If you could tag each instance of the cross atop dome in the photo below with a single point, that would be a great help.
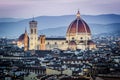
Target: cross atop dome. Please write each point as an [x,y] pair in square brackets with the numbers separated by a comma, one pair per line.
[78,15]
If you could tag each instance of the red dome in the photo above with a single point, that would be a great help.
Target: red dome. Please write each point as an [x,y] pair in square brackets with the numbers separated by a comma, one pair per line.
[22,36]
[78,26]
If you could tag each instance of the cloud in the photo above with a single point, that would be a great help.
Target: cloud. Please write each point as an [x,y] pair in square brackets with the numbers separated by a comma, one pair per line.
[27,8]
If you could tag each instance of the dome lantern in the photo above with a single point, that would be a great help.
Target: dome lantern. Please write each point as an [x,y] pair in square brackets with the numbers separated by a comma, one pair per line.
[78,15]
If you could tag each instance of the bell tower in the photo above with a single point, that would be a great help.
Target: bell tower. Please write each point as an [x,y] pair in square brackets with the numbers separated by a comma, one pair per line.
[33,35]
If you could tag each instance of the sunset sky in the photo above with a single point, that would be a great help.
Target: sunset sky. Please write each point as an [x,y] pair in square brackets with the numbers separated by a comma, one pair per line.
[30,8]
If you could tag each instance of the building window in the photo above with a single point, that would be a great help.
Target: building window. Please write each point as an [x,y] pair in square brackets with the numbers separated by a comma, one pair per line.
[31,31]
[55,43]
[66,41]
[62,43]
[32,25]
[81,38]
[48,43]
[35,31]
[72,38]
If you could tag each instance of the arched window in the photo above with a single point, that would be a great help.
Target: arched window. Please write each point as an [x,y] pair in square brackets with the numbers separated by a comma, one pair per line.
[48,43]
[55,43]
[31,31]
[72,38]
[81,38]
[66,41]
[35,31]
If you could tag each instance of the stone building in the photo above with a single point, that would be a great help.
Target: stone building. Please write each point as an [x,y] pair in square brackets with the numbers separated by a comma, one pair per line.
[78,36]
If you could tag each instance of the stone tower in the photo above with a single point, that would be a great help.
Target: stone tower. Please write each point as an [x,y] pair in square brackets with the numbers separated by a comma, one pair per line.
[33,35]
[42,42]
[26,41]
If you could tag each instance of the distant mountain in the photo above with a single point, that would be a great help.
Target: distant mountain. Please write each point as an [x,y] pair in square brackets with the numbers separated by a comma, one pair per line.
[95,29]
[10,19]
[57,25]
[102,19]
[59,31]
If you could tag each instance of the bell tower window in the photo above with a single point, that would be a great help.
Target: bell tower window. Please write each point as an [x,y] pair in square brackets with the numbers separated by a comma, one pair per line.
[35,31]
[31,31]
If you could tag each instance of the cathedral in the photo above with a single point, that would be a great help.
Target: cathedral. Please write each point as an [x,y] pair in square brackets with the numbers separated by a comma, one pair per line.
[78,36]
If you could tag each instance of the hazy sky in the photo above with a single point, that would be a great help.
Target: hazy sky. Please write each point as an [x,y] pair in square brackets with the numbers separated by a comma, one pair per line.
[30,8]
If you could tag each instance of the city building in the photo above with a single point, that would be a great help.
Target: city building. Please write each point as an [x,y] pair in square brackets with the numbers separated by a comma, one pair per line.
[78,36]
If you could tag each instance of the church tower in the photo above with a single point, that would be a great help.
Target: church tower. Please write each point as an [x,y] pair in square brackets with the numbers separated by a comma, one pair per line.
[33,35]
[26,41]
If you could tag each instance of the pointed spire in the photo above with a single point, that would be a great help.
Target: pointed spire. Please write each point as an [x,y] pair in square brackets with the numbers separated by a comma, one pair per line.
[25,30]
[78,14]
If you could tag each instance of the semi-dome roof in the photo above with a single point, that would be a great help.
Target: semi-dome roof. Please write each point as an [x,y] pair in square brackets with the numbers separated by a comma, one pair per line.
[78,26]
[22,36]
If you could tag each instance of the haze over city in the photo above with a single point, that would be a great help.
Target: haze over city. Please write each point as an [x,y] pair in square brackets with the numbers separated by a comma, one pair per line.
[29,8]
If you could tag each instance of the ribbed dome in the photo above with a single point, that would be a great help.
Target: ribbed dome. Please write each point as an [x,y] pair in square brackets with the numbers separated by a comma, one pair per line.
[78,26]
[22,36]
